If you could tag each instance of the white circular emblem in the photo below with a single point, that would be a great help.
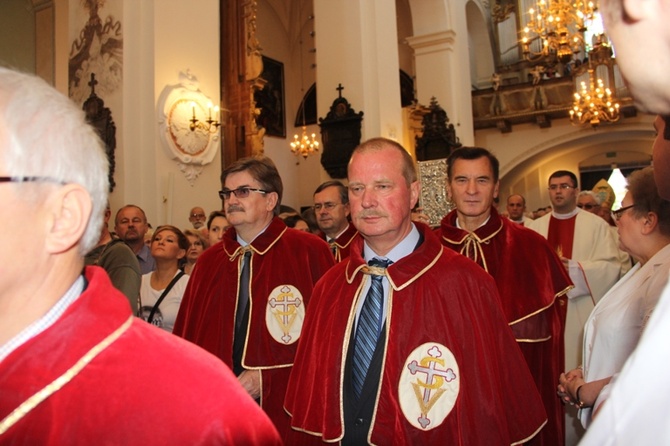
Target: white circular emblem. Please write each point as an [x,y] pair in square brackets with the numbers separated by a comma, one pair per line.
[284,314]
[429,385]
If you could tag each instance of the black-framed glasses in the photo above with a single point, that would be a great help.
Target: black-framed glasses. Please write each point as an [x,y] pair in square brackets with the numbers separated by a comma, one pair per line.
[616,215]
[327,206]
[30,180]
[587,206]
[563,186]
[240,192]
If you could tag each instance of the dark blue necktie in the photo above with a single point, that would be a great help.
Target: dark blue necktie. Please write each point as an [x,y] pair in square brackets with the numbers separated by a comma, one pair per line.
[243,298]
[369,327]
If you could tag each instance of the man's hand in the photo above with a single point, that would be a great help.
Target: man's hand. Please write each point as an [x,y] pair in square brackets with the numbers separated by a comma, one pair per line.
[251,381]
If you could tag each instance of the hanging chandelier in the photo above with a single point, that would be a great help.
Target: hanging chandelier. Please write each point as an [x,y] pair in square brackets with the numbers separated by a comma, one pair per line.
[307,144]
[559,25]
[594,104]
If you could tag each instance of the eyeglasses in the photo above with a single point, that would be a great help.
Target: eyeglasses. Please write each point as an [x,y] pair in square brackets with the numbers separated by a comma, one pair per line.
[199,215]
[30,180]
[560,186]
[587,206]
[240,192]
[327,206]
[616,215]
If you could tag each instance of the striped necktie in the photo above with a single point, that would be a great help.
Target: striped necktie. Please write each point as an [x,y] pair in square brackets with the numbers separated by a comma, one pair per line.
[369,327]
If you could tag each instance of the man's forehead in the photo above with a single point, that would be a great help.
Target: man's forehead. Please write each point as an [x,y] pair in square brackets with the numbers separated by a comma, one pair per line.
[331,192]
[586,198]
[387,157]
[243,178]
[130,212]
[560,180]
[480,167]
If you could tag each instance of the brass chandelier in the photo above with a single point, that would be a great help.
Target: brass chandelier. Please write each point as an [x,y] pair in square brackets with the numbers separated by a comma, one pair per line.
[594,104]
[304,146]
[559,25]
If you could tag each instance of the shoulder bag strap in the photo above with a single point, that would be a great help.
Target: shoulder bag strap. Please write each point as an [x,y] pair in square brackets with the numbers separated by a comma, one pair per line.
[165,292]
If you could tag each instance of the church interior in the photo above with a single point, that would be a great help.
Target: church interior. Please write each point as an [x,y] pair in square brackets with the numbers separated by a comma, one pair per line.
[180,89]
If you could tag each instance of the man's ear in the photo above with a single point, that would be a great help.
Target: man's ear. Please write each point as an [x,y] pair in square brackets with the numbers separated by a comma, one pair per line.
[70,209]
[272,198]
[414,192]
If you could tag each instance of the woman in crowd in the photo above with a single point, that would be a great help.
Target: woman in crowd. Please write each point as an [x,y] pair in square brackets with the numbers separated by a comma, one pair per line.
[217,224]
[197,244]
[162,290]
[295,221]
[616,323]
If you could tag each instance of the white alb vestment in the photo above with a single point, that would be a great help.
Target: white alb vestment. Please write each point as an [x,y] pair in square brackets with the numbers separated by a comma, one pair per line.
[594,268]
[616,323]
[637,410]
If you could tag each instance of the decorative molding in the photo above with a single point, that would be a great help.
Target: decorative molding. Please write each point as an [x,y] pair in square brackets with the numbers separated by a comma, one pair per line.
[177,105]
[433,42]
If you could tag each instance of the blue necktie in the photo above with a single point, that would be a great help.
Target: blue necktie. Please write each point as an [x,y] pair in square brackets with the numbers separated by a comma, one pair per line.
[243,298]
[369,327]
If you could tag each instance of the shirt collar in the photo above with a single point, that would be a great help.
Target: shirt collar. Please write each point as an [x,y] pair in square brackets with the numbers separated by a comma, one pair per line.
[402,249]
[329,239]
[243,243]
[571,214]
[484,223]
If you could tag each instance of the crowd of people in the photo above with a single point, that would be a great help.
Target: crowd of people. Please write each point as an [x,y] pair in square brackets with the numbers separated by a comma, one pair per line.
[379,330]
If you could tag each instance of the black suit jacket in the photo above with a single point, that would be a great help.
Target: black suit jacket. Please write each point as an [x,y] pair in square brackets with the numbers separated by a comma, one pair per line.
[358,412]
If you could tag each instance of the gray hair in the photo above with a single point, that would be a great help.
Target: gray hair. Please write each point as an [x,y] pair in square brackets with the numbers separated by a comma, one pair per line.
[47,135]
[591,194]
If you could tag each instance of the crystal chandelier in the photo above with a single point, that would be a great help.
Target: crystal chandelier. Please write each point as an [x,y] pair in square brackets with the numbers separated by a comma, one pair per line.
[305,146]
[594,104]
[559,26]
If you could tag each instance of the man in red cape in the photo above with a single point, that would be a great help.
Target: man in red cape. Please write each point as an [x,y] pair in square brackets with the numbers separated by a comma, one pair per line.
[445,368]
[529,275]
[331,206]
[76,367]
[257,339]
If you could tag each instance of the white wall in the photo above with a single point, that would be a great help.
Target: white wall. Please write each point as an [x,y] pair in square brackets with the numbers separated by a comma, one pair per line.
[163,38]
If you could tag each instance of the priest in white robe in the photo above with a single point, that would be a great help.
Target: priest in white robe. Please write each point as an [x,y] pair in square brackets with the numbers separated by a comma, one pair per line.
[593,262]
[588,250]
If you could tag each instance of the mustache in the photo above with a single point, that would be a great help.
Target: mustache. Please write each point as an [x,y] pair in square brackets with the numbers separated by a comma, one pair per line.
[235,208]
[371,213]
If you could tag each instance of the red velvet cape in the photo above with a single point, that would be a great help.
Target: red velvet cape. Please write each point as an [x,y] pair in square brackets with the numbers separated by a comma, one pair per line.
[281,256]
[147,387]
[532,283]
[438,296]
[343,243]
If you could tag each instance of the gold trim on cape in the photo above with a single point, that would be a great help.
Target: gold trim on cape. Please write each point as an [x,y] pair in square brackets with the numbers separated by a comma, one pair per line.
[525,440]
[54,386]
[472,240]
[553,301]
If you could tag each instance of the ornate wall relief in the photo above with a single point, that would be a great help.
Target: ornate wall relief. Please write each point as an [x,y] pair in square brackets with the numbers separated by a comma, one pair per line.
[188,125]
